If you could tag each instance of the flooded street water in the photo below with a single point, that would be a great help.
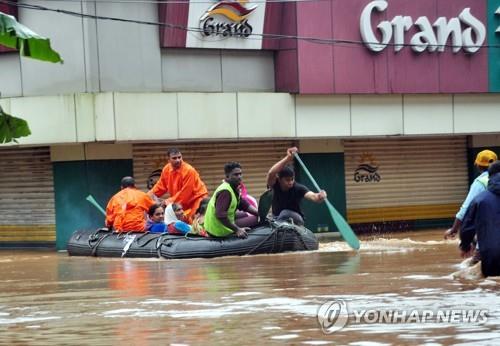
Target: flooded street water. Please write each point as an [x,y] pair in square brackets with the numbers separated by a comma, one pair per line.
[48,298]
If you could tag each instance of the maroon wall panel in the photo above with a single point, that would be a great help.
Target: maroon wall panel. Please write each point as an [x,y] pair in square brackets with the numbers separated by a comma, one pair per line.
[174,14]
[357,70]
[315,59]
[463,72]
[411,72]
[12,10]
[272,25]
[286,71]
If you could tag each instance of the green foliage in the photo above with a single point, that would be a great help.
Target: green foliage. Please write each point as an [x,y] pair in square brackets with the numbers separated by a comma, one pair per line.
[12,128]
[28,43]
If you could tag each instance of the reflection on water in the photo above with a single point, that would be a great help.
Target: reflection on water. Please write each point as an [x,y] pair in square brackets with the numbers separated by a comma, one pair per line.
[50,298]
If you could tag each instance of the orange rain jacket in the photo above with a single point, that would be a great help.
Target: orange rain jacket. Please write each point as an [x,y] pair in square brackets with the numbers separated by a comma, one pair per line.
[184,186]
[126,211]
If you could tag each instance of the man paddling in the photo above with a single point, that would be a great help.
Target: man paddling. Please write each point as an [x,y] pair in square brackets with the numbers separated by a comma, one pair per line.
[287,194]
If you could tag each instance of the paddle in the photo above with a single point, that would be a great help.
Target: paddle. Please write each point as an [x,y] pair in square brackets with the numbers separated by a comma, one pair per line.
[342,225]
[92,201]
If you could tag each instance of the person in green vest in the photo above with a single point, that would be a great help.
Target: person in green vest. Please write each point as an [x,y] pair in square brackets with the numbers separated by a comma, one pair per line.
[220,217]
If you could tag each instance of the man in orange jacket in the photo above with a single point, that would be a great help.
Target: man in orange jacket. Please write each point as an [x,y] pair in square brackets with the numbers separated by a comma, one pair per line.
[126,210]
[182,182]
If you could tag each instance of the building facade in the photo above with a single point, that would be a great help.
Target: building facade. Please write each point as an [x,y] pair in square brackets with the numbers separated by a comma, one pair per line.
[388,101]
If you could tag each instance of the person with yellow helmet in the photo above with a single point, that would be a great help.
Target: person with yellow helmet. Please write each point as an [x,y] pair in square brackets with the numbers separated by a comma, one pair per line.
[482,221]
[483,160]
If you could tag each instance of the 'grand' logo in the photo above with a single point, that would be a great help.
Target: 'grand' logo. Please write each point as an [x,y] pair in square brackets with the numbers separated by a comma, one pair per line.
[367,170]
[465,31]
[227,19]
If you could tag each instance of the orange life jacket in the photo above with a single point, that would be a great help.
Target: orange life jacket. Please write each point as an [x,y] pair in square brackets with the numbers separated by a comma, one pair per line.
[126,211]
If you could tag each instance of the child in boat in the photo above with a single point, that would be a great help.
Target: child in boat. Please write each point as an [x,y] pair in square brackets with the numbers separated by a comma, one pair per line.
[199,218]
[155,223]
[176,220]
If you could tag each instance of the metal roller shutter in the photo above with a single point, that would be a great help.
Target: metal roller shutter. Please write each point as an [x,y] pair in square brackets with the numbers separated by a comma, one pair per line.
[27,212]
[256,157]
[405,179]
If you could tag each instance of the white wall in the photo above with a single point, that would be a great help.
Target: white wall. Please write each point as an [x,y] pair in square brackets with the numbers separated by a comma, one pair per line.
[65,32]
[207,115]
[124,117]
[217,71]
[10,75]
[152,116]
[427,114]
[51,119]
[192,70]
[320,116]
[247,70]
[389,115]
[129,53]
[112,56]
[476,113]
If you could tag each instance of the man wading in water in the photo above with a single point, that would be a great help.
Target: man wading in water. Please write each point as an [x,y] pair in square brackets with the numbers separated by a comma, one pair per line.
[482,162]
[483,219]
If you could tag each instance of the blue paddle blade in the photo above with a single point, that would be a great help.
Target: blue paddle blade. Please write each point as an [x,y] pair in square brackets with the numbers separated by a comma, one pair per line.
[92,201]
[342,225]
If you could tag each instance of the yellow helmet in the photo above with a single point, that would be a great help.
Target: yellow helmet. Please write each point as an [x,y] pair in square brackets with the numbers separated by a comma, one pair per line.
[485,158]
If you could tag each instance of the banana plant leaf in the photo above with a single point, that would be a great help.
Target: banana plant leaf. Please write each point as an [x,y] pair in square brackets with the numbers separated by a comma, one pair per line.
[12,127]
[29,44]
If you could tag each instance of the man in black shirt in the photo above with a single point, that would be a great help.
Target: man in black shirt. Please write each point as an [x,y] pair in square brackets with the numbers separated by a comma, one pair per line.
[287,194]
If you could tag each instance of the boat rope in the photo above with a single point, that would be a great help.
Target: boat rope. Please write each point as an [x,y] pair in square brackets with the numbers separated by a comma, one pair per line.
[161,241]
[273,232]
[278,230]
[123,235]
[298,231]
[97,239]
[159,244]
[155,237]
[295,228]
[147,241]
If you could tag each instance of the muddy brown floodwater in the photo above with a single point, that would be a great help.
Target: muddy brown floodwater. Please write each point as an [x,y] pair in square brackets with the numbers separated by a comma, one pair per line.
[49,298]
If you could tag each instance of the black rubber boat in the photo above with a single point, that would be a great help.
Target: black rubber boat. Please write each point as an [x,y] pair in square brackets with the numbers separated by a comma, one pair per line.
[269,238]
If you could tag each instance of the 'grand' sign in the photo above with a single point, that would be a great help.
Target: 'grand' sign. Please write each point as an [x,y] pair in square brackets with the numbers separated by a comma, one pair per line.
[234,20]
[431,37]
